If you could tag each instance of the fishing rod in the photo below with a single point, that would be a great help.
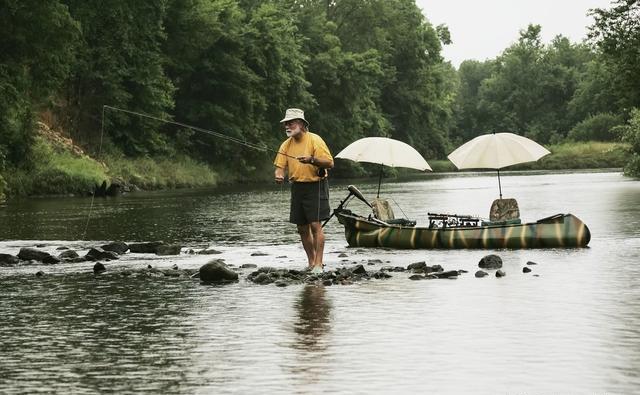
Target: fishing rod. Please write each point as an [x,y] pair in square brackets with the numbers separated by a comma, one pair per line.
[198,129]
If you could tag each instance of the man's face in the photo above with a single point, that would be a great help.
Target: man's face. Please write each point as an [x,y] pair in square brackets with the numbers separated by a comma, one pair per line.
[293,127]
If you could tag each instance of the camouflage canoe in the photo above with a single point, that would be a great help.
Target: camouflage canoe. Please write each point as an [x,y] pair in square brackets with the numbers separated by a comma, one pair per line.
[561,230]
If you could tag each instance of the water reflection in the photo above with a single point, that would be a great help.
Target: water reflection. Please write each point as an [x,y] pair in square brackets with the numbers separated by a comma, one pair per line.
[314,319]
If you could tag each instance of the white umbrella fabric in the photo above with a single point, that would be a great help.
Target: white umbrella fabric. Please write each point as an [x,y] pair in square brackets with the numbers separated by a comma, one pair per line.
[496,151]
[385,152]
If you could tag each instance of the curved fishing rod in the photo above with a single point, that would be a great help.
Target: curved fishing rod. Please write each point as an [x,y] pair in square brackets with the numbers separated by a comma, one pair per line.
[198,129]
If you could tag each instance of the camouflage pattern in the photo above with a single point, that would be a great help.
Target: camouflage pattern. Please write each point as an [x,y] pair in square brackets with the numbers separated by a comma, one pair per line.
[561,230]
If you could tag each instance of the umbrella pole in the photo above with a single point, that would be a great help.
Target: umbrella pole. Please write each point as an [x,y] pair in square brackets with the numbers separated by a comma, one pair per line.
[499,186]
[379,180]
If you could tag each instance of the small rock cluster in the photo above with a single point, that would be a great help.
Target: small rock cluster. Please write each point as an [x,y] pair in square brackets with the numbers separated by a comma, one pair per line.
[107,252]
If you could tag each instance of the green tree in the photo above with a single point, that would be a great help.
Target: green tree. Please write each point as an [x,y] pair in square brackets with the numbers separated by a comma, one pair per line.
[234,70]
[616,33]
[531,86]
[120,65]
[631,135]
[37,41]
[470,121]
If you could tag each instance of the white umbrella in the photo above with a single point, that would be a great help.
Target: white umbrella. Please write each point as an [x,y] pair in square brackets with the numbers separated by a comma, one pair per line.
[384,151]
[496,151]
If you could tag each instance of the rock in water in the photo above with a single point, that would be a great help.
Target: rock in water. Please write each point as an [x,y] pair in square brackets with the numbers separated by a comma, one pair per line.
[119,247]
[97,253]
[481,273]
[145,248]
[7,259]
[168,249]
[32,254]
[216,271]
[490,262]
[98,268]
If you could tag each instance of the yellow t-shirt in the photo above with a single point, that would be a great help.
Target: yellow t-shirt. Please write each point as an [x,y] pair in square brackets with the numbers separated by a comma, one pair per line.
[309,145]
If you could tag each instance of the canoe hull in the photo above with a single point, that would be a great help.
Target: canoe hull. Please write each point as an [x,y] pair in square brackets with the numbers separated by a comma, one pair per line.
[559,231]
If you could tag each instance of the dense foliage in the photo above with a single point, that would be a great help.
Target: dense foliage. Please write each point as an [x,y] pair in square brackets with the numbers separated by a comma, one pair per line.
[358,67]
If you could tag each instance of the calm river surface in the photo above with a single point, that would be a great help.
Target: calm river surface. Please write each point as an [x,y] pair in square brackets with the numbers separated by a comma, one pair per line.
[572,329]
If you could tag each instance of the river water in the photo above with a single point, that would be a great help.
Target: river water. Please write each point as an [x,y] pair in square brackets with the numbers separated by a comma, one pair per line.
[572,325]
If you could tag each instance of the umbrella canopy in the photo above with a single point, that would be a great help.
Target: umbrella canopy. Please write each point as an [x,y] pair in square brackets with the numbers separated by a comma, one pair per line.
[496,151]
[385,152]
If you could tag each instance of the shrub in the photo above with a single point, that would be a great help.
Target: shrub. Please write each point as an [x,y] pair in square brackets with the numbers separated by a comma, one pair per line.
[631,135]
[3,185]
[596,128]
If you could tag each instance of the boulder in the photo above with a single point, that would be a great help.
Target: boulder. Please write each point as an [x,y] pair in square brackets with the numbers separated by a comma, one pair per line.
[209,251]
[68,254]
[419,267]
[145,248]
[433,269]
[119,247]
[216,271]
[97,253]
[358,269]
[447,274]
[98,268]
[7,259]
[490,262]
[32,254]
[168,249]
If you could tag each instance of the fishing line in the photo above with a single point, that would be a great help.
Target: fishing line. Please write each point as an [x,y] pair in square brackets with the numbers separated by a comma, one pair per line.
[223,136]
[93,195]
[197,129]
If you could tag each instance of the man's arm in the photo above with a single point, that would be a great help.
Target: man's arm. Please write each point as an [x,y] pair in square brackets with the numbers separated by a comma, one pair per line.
[279,175]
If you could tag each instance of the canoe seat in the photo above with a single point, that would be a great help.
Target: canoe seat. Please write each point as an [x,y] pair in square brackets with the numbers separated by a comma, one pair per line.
[504,210]
[382,210]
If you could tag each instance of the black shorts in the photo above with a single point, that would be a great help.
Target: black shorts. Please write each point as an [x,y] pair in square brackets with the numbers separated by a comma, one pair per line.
[309,202]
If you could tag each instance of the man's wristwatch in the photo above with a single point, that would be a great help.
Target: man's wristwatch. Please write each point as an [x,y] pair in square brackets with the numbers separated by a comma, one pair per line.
[313,160]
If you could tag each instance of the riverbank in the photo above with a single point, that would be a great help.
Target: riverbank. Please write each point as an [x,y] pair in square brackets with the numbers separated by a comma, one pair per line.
[62,168]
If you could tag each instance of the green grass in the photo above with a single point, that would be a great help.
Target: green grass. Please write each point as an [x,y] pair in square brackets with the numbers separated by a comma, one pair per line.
[161,173]
[54,171]
[582,155]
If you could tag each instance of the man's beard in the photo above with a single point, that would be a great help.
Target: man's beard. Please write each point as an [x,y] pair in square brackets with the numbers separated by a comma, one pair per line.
[291,133]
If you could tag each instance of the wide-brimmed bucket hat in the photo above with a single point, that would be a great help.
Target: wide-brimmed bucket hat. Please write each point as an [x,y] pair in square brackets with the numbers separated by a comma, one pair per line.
[294,113]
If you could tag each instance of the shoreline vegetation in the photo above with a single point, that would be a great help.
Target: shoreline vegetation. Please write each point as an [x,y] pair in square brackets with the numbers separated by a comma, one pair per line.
[112,89]
[62,168]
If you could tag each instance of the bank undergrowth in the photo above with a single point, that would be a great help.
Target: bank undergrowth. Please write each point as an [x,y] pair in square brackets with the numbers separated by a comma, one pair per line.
[60,170]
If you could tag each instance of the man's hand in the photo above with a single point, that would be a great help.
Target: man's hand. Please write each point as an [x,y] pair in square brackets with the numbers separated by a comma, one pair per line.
[279,175]
[306,159]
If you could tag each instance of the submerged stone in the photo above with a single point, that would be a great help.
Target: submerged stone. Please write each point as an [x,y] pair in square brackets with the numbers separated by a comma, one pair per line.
[98,268]
[32,254]
[145,248]
[119,247]
[490,262]
[97,253]
[7,259]
[168,249]
[216,271]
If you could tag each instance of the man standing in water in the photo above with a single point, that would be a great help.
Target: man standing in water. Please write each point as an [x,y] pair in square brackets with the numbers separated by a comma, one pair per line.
[306,157]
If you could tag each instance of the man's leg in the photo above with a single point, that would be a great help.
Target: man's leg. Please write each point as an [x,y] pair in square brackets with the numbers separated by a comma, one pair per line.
[308,242]
[318,238]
